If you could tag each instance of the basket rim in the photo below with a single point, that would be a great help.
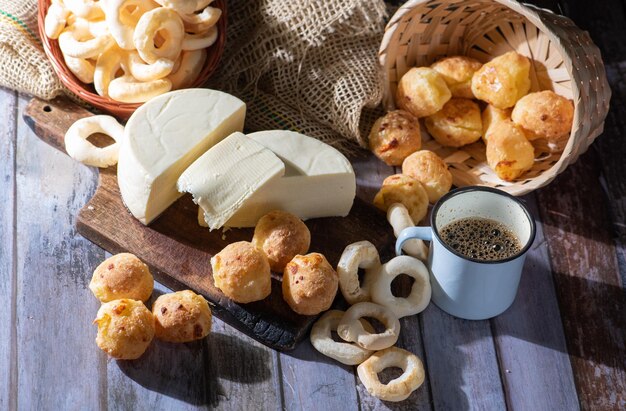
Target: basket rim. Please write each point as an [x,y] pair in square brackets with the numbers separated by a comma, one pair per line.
[117,108]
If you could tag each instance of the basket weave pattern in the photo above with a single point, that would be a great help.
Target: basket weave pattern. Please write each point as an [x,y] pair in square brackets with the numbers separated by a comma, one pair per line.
[564,59]
[88,93]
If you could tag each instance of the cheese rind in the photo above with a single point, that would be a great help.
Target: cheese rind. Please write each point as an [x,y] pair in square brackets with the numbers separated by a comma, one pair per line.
[227,175]
[319,181]
[163,137]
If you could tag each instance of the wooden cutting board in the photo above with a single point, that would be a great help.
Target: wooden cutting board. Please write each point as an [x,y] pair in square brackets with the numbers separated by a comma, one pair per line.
[178,250]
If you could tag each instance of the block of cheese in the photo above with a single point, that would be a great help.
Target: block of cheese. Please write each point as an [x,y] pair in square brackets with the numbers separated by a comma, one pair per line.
[319,181]
[227,175]
[163,137]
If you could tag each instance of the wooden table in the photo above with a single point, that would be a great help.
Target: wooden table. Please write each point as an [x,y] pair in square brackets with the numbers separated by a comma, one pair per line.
[561,346]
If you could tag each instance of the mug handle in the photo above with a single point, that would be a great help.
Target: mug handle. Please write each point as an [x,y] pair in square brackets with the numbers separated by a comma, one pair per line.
[422,233]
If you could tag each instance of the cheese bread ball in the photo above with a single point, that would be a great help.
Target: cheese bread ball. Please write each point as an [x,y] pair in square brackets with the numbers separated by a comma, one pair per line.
[242,272]
[503,80]
[544,114]
[122,276]
[422,92]
[457,72]
[309,284]
[457,124]
[430,170]
[394,136]
[182,316]
[281,236]
[125,328]
[509,153]
[492,115]
[400,188]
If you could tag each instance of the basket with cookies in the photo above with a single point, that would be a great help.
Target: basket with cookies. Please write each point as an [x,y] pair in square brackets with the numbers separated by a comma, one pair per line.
[508,95]
[118,54]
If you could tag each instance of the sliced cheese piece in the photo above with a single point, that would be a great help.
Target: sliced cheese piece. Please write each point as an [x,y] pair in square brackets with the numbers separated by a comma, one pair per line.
[163,137]
[227,175]
[319,181]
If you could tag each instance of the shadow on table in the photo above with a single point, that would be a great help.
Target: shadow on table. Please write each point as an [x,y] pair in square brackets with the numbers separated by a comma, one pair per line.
[193,372]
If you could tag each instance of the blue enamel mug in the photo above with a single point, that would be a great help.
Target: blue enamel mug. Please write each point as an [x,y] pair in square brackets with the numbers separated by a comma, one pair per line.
[462,286]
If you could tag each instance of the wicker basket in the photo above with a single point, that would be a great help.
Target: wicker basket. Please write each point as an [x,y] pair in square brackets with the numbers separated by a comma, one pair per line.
[565,60]
[86,91]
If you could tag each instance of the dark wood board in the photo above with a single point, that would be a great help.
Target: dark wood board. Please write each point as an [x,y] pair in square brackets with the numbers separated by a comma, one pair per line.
[178,250]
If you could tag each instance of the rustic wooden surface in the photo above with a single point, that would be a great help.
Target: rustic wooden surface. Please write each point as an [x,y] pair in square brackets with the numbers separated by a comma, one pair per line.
[559,347]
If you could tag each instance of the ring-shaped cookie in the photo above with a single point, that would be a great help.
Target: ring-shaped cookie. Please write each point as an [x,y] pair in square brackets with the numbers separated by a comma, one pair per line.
[207,18]
[107,66]
[420,294]
[399,388]
[83,69]
[163,20]
[79,148]
[350,329]
[95,28]
[128,90]
[322,340]
[56,19]
[87,9]
[199,41]
[122,20]
[399,218]
[181,6]
[148,72]
[362,254]
[82,44]
[189,67]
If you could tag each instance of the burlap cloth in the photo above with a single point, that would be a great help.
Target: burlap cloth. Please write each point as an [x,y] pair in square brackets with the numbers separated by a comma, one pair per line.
[304,65]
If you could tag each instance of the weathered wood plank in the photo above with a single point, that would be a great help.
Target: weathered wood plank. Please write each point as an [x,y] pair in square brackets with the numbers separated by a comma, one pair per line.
[312,381]
[588,285]
[58,365]
[8,131]
[534,364]
[461,362]
[226,371]
[370,175]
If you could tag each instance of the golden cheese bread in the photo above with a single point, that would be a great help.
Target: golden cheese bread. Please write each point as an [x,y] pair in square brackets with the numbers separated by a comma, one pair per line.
[457,72]
[122,276]
[492,115]
[457,124]
[309,284]
[181,317]
[544,114]
[502,81]
[509,153]
[430,170]
[394,136]
[422,91]
[242,272]
[125,328]
[281,236]
[400,188]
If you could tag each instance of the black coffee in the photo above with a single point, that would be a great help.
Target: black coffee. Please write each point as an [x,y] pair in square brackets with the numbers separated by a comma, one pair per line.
[481,239]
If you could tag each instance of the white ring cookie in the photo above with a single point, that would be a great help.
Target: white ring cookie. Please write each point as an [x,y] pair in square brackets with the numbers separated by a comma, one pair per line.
[399,218]
[79,148]
[345,353]
[420,294]
[350,329]
[399,388]
[362,254]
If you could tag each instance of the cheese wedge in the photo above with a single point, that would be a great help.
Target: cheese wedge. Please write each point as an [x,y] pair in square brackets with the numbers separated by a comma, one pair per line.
[319,181]
[163,137]
[227,175]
